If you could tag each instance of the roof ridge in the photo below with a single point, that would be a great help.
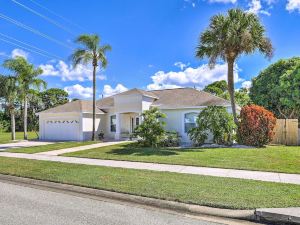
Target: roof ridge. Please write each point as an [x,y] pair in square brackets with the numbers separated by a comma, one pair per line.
[167,89]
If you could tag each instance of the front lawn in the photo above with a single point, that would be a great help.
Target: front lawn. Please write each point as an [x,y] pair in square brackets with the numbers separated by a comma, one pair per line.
[272,158]
[202,190]
[50,147]
[5,137]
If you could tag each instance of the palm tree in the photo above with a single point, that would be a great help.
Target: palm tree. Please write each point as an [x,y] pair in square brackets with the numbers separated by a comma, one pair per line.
[27,78]
[9,92]
[94,53]
[228,37]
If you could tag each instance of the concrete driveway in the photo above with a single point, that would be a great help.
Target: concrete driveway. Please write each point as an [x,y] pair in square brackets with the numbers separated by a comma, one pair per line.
[23,144]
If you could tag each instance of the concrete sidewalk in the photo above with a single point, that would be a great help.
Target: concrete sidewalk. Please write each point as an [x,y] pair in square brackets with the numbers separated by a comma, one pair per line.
[217,172]
[80,148]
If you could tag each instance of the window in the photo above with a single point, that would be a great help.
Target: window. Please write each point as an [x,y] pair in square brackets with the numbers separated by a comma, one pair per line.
[113,123]
[137,121]
[190,121]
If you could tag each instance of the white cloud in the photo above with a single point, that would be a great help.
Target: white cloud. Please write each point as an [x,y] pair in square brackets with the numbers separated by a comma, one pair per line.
[68,72]
[191,2]
[19,52]
[223,1]
[293,5]
[78,91]
[255,6]
[199,77]
[109,90]
[247,84]
[181,65]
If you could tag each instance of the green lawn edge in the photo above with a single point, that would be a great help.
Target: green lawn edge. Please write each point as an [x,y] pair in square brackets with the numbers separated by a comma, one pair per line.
[281,159]
[202,190]
[49,147]
[5,137]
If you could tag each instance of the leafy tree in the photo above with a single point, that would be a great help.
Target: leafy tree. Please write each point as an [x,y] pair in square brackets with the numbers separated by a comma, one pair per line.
[27,77]
[242,97]
[217,88]
[53,97]
[151,130]
[277,88]
[230,36]
[256,126]
[9,91]
[220,89]
[35,105]
[217,121]
[91,52]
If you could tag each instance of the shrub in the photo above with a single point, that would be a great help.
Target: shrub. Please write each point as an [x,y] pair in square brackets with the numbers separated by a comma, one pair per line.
[215,120]
[256,126]
[170,139]
[151,130]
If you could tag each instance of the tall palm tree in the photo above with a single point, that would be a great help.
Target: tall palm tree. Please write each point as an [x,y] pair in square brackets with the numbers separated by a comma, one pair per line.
[27,77]
[228,37]
[9,91]
[91,52]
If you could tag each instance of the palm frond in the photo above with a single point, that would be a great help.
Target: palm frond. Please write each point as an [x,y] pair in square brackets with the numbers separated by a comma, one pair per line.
[90,41]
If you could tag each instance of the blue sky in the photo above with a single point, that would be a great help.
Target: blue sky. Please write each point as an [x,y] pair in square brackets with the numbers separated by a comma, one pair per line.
[153,41]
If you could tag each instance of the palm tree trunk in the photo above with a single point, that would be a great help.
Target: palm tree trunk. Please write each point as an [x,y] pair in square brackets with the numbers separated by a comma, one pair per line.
[25,118]
[230,78]
[94,101]
[13,124]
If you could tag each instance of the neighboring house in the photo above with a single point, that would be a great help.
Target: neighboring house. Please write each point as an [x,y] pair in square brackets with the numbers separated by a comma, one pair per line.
[118,115]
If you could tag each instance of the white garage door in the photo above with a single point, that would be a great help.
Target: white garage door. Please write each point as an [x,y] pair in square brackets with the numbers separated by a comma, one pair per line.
[62,129]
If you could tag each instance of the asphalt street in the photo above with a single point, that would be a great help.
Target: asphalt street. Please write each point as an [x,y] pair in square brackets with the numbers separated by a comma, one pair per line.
[29,206]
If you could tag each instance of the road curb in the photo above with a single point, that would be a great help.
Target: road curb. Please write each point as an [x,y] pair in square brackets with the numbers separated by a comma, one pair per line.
[157,203]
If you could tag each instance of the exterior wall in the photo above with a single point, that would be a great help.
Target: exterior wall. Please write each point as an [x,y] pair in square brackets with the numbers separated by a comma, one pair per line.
[128,103]
[87,125]
[132,103]
[59,131]
[175,121]
[146,103]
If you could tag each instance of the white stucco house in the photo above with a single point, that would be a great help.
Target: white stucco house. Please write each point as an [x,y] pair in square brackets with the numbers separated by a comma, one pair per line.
[118,115]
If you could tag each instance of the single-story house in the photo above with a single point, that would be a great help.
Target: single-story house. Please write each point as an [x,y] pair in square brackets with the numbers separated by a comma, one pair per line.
[118,115]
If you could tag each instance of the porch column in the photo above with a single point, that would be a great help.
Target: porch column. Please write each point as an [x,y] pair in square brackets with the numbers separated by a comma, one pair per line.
[118,126]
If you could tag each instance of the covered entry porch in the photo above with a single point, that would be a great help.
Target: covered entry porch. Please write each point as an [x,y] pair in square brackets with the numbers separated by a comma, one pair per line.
[125,124]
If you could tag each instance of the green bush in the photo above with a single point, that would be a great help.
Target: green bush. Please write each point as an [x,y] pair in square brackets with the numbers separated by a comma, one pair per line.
[151,131]
[170,139]
[217,121]
[4,126]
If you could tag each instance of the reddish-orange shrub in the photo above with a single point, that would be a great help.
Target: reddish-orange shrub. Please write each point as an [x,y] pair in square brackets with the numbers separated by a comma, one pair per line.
[256,126]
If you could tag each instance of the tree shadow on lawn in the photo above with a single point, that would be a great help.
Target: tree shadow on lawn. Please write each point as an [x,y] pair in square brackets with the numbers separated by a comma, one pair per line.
[134,149]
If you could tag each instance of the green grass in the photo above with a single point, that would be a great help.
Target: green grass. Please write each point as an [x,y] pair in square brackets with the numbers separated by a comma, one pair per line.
[50,147]
[272,158]
[5,137]
[202,190]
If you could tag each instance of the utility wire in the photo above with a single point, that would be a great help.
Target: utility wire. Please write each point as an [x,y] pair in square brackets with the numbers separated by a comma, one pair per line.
[17,23]
[43,16]
[25,48]
[57,15]
[30,46]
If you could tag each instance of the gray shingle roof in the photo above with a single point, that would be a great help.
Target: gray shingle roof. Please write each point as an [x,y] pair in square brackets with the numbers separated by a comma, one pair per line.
[164,99]
[186,97]
[75,106]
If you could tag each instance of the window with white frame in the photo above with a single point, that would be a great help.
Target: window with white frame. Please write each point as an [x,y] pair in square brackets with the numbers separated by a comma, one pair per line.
[137,121]
[113,122]
[190,121]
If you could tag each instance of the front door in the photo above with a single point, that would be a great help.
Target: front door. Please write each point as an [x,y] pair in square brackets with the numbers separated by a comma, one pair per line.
[134,122]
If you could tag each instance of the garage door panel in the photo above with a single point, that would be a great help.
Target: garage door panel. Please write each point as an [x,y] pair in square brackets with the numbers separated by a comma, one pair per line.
[62,129]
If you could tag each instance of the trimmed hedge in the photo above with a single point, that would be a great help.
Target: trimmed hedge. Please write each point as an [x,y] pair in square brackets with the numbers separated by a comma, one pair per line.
[256,126]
